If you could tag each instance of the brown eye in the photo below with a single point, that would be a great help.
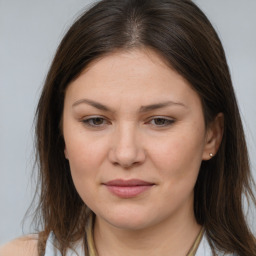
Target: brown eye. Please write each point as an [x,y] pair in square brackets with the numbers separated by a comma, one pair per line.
[95,121]
[160,121]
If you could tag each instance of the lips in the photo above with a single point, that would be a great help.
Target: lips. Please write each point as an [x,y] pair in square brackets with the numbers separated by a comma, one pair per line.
[128,188]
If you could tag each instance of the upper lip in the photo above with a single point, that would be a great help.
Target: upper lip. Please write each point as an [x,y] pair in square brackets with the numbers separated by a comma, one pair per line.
[128,183]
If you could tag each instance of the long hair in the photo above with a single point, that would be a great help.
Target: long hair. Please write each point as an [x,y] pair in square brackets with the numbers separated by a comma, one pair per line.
[179,32]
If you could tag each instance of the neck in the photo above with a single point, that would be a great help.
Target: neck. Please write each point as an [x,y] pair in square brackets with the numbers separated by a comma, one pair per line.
[173,236]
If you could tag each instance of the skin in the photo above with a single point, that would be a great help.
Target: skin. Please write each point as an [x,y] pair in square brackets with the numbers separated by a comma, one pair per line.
[111,133]
[163,145]
[23,246]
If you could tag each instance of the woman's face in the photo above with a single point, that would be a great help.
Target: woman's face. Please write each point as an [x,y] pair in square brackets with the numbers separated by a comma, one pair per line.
[135,138]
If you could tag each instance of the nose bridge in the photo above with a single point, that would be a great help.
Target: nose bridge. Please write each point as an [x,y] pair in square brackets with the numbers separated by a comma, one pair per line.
[127,148]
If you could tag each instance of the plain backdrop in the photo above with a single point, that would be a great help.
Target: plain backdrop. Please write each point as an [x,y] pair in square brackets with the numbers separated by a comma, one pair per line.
[30,31]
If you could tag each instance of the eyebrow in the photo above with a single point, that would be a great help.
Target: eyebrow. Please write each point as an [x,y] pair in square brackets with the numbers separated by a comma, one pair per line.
[93,104]
[160,105]
[142,109]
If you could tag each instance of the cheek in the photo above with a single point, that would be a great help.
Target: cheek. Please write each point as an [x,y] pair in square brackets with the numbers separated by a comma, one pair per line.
[178,162]
[82,156]
[85,159]
[85,154]
[178,156]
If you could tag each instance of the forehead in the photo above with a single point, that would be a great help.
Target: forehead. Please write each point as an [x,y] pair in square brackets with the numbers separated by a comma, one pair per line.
[139,74]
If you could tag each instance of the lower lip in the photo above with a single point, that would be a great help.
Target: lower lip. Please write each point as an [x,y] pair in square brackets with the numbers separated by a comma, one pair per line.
[129,191]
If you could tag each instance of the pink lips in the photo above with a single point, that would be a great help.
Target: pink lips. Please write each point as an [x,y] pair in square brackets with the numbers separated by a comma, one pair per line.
[127,188]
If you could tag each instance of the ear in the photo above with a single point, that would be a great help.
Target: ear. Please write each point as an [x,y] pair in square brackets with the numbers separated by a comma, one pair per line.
[213,138]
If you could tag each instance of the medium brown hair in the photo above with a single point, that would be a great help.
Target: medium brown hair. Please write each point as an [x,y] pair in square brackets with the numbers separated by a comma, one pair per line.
[179,32]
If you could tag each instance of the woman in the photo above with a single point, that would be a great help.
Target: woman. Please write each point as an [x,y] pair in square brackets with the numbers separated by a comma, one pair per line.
[140,143]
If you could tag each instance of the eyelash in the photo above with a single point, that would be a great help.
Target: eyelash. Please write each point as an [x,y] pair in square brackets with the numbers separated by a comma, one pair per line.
[167,121]
[89,121]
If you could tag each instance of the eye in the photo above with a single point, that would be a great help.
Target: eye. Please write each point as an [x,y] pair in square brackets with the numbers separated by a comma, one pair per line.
[161,121]
[96,121]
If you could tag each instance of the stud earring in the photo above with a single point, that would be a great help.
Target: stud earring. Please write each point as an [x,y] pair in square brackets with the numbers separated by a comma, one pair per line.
[211,154]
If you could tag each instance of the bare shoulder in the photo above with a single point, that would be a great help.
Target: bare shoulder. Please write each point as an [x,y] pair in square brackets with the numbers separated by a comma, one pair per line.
[23,246]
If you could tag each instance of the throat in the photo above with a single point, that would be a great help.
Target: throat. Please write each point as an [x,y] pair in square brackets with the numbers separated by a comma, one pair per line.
[165,242]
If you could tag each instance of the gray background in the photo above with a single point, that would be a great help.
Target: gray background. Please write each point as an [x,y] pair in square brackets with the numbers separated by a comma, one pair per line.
[30,31]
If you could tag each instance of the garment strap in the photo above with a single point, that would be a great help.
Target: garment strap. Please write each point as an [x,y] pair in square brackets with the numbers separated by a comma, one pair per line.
[192,251]
[89,235]
[92,249]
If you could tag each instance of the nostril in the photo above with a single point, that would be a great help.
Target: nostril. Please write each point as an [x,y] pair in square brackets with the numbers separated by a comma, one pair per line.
[126,165]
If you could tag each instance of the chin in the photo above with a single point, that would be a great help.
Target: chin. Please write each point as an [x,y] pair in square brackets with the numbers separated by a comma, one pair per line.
[128,220]
[128,224]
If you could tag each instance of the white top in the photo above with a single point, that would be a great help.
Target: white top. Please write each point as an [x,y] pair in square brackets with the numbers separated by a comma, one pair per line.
[203,249]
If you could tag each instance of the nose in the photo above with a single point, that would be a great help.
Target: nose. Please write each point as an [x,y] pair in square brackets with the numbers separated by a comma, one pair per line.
[127,149]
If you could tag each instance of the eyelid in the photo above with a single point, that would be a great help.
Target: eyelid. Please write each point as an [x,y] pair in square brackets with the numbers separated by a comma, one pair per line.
[168,119]
[87,119]
[105,121]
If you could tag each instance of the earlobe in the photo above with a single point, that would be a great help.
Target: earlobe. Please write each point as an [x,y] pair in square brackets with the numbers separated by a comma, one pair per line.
[213,137]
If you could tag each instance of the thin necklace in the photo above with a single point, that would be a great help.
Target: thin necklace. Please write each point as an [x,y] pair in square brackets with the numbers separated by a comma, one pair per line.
[192,251]
[92,249]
